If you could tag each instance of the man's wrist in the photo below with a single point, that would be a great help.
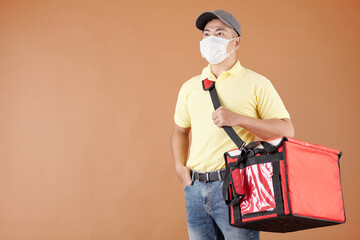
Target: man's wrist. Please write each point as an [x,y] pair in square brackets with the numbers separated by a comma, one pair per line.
[179,167]
[240,120]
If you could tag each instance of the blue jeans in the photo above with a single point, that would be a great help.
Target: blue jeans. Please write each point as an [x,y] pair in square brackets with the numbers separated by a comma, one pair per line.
[208,215]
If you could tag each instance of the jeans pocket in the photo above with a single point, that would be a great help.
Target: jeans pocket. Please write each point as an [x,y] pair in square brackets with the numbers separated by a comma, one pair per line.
[186,187]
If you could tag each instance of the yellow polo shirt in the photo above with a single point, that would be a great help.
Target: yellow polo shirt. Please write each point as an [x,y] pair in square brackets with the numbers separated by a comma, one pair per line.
[240,90]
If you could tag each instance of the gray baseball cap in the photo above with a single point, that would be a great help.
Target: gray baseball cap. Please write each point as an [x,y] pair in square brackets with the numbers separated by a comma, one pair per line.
[224,16]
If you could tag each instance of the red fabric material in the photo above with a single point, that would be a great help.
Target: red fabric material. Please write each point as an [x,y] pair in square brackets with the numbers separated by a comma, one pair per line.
[232,220]
[230,160]
[314,181]
[207,83]
[313,146]
[259,218]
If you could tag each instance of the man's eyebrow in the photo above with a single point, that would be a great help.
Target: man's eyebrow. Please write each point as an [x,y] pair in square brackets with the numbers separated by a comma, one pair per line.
[219,29]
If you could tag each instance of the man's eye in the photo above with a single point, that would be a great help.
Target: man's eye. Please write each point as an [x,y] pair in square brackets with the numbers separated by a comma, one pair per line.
[220,34]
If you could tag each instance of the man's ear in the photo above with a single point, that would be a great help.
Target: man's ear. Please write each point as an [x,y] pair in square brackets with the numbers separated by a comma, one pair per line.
[237,42]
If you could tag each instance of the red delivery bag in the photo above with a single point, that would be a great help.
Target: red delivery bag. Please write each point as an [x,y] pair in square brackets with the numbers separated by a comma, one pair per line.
[282,185]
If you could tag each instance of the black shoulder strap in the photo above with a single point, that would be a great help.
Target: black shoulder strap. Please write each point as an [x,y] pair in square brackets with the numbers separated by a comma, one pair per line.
[209,85]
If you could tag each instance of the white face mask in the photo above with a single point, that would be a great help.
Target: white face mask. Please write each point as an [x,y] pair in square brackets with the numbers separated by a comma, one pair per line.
[213,49]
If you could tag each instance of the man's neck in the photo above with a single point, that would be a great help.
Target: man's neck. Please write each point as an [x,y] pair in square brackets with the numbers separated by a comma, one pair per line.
[226,65]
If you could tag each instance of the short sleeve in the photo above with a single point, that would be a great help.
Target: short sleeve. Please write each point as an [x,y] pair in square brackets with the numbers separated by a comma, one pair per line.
[269,103]
[181,116]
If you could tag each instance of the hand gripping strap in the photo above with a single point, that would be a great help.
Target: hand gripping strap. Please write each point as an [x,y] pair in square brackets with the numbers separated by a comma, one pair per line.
[209,85]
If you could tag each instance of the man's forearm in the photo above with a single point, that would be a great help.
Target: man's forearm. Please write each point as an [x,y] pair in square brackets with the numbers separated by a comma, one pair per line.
[179,148]
[267,129]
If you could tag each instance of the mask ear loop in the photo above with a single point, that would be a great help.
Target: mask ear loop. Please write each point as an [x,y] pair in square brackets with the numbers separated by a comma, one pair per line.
[226,47]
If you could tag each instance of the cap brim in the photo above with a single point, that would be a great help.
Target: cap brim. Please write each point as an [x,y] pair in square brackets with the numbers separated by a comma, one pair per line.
[206,17]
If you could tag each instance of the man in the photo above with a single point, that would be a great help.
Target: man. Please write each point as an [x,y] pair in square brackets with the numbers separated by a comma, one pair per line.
[250,104]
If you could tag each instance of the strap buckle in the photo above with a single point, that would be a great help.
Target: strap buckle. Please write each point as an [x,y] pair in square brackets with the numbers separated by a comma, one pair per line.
[243,150]
[242,155]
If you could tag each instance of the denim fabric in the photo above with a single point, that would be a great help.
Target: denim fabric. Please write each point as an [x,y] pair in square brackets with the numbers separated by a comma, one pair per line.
[208,215]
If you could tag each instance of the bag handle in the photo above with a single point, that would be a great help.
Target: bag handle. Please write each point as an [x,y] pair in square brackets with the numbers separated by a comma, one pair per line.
[209,85]
[268,148]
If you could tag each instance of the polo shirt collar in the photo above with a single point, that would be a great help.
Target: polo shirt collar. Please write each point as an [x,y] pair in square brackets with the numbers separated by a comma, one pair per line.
[236,70]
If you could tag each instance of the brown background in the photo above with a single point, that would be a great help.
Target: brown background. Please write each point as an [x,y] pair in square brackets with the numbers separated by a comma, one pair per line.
[87,95]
